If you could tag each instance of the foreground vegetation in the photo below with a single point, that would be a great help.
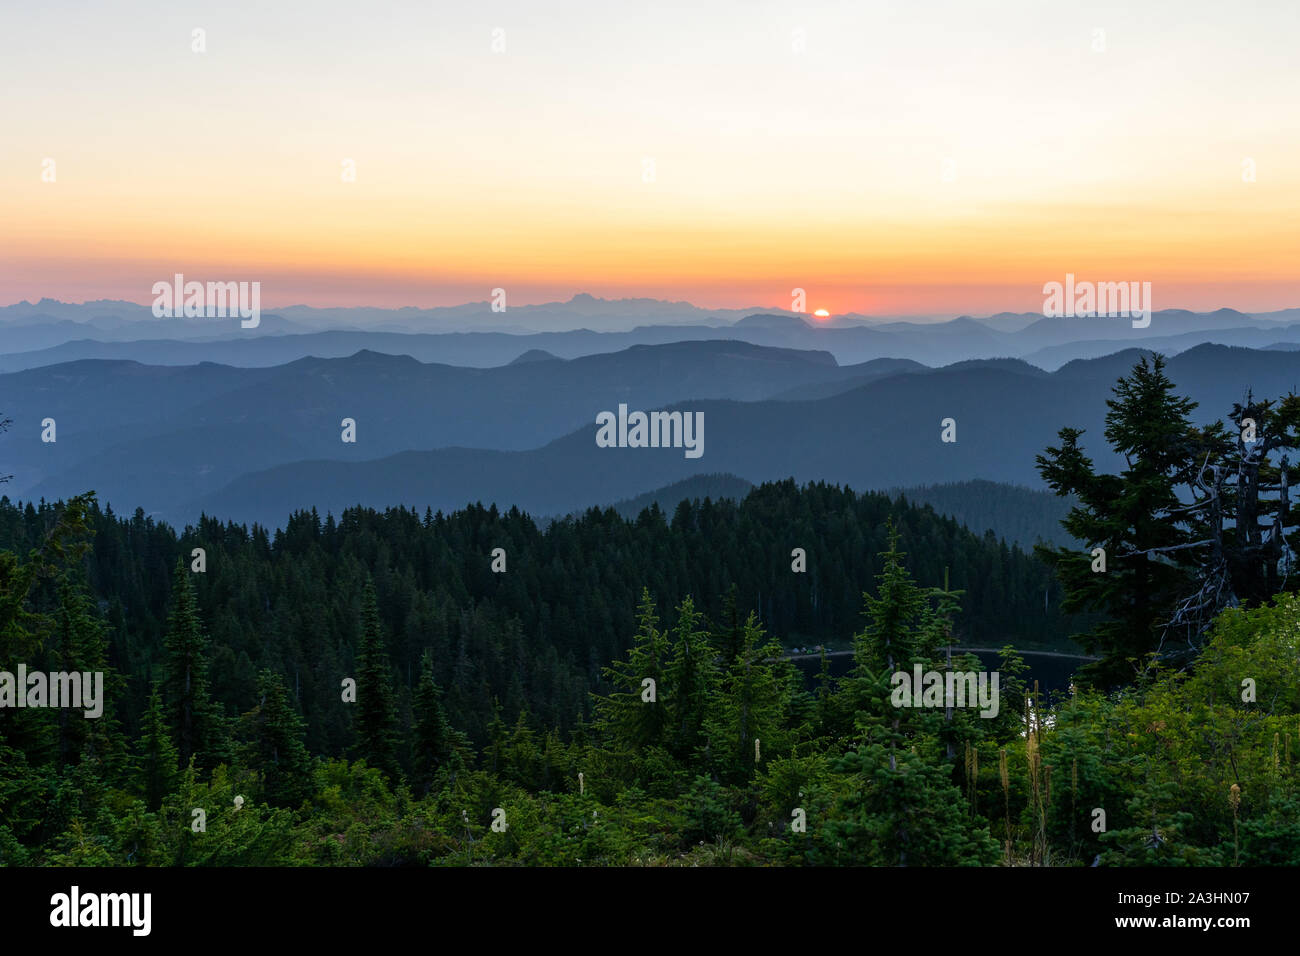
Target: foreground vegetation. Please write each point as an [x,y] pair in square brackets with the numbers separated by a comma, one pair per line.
[733,762]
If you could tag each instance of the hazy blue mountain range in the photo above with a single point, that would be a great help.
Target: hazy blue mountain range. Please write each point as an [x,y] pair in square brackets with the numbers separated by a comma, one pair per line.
[257,443]
[581,311]
[44,334]
[42,337]
[130,319]
[884,434]
[247,426]
[177,432]
[1054,356]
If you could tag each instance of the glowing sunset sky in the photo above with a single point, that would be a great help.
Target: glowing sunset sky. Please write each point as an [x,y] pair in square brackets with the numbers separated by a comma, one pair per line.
[773,168]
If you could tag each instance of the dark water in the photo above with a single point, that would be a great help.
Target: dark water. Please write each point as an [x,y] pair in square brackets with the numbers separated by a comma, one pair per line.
[1052,673]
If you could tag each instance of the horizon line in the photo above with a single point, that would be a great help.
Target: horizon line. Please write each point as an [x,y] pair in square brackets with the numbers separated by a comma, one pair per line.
[686,303]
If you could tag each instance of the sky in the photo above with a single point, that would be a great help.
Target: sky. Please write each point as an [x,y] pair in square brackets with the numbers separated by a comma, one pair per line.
[888,158]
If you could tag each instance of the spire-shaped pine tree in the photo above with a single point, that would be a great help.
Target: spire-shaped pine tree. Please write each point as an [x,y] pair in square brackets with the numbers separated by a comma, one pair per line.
[195,722]
[898,615]
[631,717]
[433,741]
[275,747]
[376,711]
[693,679]
[82,646]
[157,764]
[1131,516]
[757,691]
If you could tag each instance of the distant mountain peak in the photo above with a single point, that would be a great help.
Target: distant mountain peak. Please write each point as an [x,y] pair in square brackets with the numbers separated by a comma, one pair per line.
[588,300]
[371,357]
[767,320]
[535,355]
[1019,366]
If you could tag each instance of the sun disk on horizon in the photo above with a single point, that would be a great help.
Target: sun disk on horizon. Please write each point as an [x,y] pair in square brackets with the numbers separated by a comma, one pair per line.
[822,314]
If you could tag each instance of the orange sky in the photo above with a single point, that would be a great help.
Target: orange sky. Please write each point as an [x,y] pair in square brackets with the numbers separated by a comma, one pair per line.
[884,167]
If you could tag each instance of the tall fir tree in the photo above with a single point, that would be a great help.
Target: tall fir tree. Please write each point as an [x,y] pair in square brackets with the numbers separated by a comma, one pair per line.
[753,708]
[729,631]
[1130,516]
[274,747]
[433,741]
[80,646]
[196,723]
[898,616]
[635,715]
[376,711]
[692,681]
[157,763]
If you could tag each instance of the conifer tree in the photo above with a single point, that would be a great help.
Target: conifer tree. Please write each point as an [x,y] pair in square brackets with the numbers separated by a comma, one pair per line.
[757,690]
[935,650]
[523,757]
[275,748]
[628,718]
[498,746]
[195,722]
[157,764]
[692,679]
[898,617]
[376,711]
[829,710]
[81,647]
[1138,517]
[901,810]
[431,734]
[729,631]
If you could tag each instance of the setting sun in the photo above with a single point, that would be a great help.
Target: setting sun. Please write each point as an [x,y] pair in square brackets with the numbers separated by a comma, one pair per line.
[822,314]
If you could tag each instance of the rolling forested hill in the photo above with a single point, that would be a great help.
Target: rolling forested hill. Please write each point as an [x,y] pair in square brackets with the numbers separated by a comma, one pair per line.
[1024,516]
[536,636]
